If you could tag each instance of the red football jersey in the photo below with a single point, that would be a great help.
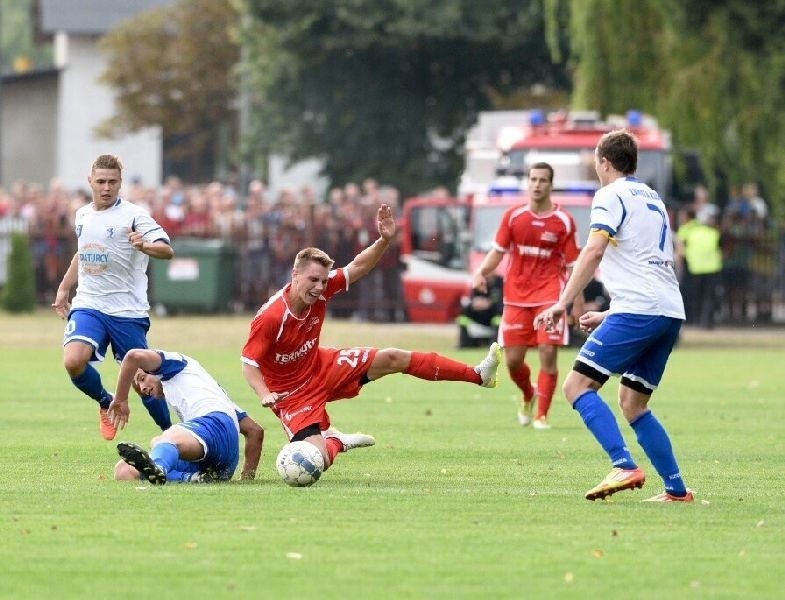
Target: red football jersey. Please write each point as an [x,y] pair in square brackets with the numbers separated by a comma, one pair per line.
[283,346]
[540,248]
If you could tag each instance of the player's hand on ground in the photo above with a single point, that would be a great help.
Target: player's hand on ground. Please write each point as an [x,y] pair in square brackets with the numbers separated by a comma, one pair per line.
[119,412]
[61,305]
[385,222]
[550,317]
[590,320]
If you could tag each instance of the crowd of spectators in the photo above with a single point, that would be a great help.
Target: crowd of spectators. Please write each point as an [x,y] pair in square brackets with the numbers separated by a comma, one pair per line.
[265,233]
[731,259]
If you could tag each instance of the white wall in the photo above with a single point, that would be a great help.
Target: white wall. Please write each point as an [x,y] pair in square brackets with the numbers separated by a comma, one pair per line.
[84,103]
[28,130]
[294,176]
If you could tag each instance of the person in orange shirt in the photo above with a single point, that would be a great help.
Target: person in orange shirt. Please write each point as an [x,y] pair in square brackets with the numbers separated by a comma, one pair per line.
[294,376]
[541,241]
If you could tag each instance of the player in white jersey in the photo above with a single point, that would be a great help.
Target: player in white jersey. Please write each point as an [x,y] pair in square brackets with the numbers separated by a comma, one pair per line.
[205,445]
[631,243]
[114,242]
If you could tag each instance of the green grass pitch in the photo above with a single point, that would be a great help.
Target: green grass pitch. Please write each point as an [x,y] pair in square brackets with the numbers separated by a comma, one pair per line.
[455,500]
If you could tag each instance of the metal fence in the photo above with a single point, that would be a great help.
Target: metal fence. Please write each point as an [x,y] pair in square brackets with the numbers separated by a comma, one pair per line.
[258,272]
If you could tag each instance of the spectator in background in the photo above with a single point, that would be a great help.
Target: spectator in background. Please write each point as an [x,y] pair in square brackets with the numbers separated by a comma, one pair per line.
[255,275]
[687,221]
[197,214]
[484,309]
[700,245]
[756,203]
[702,205]
[392,265]
[738,236]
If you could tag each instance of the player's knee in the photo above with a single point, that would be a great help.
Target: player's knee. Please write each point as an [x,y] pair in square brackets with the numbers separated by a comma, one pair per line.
[394,359]
[125,472]
[75,365]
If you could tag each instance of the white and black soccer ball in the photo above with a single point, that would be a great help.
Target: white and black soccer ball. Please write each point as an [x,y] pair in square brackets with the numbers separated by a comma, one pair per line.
[300,464]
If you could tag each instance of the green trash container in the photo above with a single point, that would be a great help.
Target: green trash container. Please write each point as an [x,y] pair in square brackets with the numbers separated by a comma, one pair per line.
[200,277]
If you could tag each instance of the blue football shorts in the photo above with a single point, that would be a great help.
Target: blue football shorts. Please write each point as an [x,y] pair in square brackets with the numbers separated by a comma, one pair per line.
[99,330]
[636,347]
[220,439]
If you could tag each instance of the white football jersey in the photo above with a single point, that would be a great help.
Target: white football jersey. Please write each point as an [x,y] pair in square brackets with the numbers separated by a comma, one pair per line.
[112,273]
[190,390]
[637,267]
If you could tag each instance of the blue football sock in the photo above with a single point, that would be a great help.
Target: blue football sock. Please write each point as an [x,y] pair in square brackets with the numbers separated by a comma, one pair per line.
[165,455]
[180,476]
[657,445]
[89,382]
[601,422]
[159,411]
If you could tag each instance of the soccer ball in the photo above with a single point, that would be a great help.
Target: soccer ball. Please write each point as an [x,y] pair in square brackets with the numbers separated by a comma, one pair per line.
[300,464]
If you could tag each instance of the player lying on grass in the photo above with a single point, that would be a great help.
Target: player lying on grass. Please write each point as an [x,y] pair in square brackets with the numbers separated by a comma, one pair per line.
[205,445]
[290,373]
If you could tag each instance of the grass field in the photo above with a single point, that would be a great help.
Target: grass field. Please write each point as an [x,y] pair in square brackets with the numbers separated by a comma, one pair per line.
[455,501]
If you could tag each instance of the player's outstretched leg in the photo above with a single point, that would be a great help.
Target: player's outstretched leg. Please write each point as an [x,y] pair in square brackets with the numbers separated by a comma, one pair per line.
[137,457]
[489,366]
[350,440]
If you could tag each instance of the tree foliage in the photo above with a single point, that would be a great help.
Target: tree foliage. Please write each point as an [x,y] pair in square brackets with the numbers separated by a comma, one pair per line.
[712,71]
[388,88]
[18,295]
[19,50]
[173,67]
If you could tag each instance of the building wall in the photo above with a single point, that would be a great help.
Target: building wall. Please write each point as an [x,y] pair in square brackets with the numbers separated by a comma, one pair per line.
[28,129]
[84,102]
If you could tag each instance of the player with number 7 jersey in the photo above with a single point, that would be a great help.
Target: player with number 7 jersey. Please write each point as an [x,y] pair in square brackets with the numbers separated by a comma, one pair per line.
[293,375]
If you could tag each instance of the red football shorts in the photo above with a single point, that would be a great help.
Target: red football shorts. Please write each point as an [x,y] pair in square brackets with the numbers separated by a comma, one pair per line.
[338,375]
[517,328]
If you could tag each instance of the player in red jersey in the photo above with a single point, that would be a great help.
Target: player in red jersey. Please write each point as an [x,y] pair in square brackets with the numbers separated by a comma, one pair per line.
[541,240]
[294,376]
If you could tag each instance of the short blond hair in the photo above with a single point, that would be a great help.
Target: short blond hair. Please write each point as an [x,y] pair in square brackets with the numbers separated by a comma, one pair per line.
[309,255]
[108,161]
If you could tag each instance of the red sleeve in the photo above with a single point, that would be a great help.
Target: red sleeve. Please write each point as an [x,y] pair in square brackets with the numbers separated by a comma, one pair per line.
[503,234]
[259,340]
[337,282]
[572,246]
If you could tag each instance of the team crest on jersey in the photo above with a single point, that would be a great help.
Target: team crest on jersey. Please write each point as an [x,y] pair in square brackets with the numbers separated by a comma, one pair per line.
[110,232]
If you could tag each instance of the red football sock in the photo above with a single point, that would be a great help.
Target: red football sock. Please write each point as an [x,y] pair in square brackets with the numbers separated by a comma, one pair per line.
[435,367]
[334,446]
[546,385]
[522,378]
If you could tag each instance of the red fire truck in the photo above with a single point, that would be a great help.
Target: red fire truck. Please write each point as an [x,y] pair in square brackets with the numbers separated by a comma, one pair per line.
[445,238]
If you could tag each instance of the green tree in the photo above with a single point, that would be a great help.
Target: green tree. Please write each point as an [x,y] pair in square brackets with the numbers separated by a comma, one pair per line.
[19,49]
[388,88]
[173,67]
[19,291]
[712,71]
